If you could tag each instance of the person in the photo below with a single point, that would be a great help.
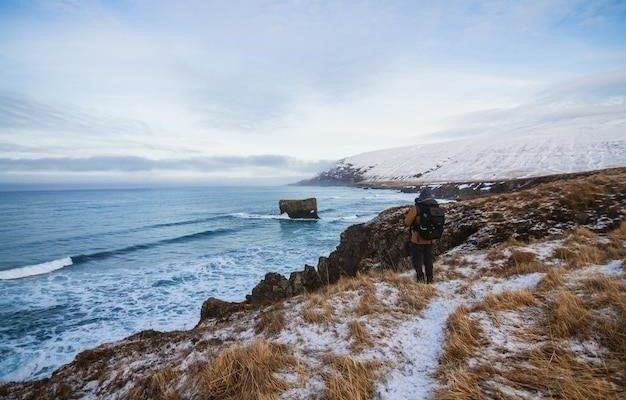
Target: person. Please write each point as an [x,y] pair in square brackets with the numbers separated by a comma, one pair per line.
[421,249]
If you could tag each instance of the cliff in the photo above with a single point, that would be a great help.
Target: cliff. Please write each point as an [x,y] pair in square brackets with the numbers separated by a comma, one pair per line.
[528,301]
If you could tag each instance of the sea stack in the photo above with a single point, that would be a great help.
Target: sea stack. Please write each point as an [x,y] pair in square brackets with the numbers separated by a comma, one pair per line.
[306,208]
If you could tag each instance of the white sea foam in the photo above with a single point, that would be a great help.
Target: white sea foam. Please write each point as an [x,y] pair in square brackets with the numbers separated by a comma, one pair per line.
[259,216]
[39,269]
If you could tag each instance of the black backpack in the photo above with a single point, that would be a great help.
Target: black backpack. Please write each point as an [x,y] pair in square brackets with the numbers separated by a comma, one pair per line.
[432,219]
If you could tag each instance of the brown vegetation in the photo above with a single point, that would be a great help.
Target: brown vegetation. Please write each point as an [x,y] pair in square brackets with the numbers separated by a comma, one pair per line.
[413,296]
[554,372]
[359,335]
[463,340]
[509,300]
[271,321]
[552,279]
[245,373]
[367,302]
[351,379]
[568,316]
[160,385]
[318,309]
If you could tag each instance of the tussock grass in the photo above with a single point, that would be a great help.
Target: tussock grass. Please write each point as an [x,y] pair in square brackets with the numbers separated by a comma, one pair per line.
[509,300]
[318,309]
[367,302]
[245,373]
[464,384]
[359,334]
[464,338]
[605,297]
[579,255]
[521,269]
[160,385]
[569,316]
[583,233]
[616,249]
[413,296]
[347,284]
[518,257]
[619,233]
[552,280]
[352,379]
[272,322]
[557,374]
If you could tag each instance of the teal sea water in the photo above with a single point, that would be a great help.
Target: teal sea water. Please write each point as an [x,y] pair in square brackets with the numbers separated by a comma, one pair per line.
[80,268]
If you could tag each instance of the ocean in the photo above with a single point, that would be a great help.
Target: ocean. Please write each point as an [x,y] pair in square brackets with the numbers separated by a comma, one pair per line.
[84,267]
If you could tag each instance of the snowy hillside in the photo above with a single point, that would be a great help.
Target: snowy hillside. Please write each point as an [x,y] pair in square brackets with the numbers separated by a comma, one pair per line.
[489,158]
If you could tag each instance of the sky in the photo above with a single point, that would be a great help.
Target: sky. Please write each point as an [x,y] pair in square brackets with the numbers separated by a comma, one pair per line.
[146,92]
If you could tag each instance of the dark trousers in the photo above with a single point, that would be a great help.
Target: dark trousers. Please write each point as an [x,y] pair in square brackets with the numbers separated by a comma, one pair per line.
[422,254]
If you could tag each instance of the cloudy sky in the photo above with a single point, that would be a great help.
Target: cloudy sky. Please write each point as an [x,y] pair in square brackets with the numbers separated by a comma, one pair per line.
[147,91]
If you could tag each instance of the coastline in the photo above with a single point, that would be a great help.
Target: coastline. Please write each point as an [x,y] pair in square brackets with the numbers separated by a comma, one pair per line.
[454,190]
[376,245]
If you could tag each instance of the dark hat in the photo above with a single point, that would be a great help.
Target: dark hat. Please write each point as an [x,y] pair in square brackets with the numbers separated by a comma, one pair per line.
[425,193]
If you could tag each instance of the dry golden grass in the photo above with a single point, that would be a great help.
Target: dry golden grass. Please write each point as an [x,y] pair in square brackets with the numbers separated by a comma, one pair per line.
[509,300]
[464,384]
[568,316]
[556,374]
[518,257]
[518,269]
[160,385]
[583,233]
[368,303]
[552,280]
[272,322]
[609,328]
[619,233]
[352,379]
[463,340]
[347,284]
[358,334]
[579,255]
[318,309]
[413,296]
[616,250]
[245,373]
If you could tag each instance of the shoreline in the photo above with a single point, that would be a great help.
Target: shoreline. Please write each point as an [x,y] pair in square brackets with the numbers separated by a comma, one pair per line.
[377,245]
[460,190]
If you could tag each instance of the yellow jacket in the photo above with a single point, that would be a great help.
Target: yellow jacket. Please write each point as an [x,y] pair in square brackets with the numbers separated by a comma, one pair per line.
[412,217]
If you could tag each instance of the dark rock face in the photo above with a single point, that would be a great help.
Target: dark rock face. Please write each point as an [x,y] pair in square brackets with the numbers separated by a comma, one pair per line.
[307,280]
[306,208]
[545,210]
[272,288]
[342,174]
[275,287]
[219,309]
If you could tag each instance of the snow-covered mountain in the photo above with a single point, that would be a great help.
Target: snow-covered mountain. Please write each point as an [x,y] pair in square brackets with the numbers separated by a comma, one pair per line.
[485,158]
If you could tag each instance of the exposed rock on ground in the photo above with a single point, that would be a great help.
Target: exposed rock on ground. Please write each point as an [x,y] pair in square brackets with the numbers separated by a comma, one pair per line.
[219,309]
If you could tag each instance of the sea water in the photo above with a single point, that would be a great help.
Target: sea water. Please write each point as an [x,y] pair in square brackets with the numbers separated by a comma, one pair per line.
[81,268]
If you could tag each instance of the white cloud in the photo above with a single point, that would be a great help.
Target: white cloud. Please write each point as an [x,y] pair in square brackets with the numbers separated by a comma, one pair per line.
[308,80]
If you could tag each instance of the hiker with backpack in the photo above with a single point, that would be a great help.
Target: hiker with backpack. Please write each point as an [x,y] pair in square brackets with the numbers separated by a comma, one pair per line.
[425,221]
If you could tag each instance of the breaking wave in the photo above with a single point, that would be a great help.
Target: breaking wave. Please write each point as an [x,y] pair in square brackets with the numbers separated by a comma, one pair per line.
[51,266]
[38,269]
[82,258]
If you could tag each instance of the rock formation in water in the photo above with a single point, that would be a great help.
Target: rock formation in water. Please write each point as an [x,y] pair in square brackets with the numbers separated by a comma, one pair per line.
[306,208]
